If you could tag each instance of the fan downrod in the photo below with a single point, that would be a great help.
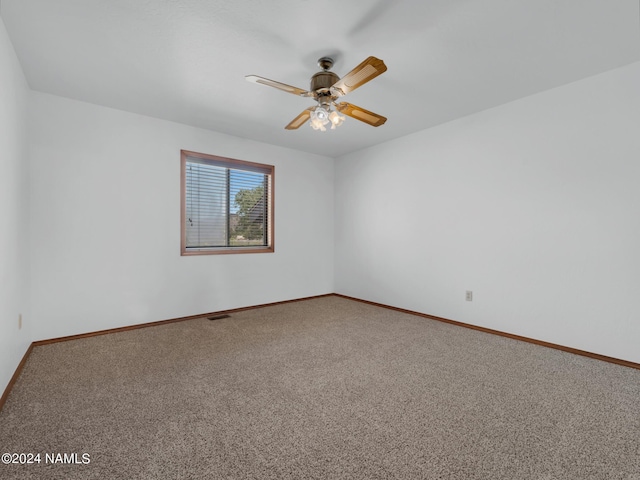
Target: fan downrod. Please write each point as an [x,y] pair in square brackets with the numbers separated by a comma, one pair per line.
[325,63]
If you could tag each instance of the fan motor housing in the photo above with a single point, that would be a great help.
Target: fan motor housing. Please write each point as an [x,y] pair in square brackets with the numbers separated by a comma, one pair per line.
[323,80]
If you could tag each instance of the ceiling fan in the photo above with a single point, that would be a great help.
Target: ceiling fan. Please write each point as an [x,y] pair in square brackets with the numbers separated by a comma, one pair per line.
[326,88]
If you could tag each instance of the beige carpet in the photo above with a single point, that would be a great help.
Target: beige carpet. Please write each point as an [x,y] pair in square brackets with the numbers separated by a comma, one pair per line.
[326,388]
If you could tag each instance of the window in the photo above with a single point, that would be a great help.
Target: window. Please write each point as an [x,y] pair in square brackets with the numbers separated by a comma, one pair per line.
[227,205]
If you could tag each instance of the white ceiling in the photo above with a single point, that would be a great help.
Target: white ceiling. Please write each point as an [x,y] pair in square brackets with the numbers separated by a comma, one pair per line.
[185,60]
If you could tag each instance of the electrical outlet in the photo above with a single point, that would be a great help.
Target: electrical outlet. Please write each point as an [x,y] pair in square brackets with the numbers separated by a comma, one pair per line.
[469,296]
[19,321]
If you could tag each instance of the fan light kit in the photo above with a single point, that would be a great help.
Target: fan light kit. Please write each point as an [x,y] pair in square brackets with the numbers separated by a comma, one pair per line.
[323,115]
[326,88]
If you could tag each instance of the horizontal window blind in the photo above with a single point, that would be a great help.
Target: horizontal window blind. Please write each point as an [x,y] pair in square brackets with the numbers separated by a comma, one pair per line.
[226,204]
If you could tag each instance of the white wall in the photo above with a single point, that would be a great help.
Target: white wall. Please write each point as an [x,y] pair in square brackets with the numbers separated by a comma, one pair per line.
[105,222]
[533,205]
[14,212]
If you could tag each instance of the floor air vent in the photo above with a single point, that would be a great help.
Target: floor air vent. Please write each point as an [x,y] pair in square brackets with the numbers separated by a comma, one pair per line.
[218,317]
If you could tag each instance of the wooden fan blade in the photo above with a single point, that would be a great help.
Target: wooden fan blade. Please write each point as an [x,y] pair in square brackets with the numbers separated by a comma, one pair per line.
[361,114]
[280,86]
[367,70]
[300,119]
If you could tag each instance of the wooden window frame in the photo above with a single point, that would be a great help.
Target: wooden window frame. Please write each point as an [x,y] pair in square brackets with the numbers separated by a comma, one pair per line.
[268,170]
